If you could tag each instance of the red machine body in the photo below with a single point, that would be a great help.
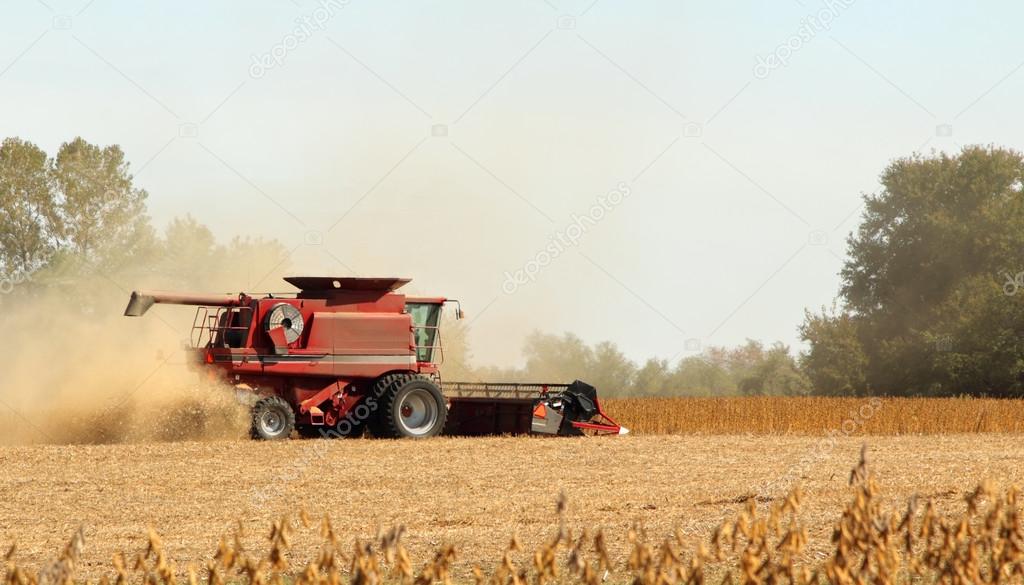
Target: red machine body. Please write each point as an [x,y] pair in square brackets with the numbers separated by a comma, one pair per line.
[338,353]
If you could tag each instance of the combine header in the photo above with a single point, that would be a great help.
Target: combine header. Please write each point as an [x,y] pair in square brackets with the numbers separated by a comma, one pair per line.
[347,355]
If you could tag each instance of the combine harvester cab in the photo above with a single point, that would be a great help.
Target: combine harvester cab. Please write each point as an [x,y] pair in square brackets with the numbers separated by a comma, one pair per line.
[347,355]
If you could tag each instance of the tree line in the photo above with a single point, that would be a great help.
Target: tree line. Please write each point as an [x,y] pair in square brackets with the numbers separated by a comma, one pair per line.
[930,299]
[750,369]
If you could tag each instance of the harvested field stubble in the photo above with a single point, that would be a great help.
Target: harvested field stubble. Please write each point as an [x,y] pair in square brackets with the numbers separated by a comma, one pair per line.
[869,544]
[472,494]
[778,415]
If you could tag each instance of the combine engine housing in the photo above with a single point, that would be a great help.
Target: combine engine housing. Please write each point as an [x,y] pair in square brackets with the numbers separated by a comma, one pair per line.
[346,354]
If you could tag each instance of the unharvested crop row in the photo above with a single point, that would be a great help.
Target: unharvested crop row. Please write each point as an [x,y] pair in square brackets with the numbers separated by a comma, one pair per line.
[818,415]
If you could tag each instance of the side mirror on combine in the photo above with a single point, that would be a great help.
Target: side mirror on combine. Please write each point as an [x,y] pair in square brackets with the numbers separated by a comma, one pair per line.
[459,314]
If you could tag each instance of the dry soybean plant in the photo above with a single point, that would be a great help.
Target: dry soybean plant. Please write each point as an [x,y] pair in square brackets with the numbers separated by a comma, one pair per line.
[870,545]
[817,415]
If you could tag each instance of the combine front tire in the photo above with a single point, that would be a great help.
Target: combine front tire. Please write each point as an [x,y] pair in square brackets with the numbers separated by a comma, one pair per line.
[272,419]
[412,407]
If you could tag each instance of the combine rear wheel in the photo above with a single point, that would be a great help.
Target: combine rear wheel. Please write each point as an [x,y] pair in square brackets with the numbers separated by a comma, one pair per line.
[272,419]
[412,407]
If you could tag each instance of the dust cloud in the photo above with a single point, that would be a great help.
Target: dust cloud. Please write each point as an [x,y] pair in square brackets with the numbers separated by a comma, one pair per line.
[74,370]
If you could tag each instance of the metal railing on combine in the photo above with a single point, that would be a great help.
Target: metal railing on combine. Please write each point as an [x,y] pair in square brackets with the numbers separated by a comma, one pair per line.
[200,327]
[500,389]
[207,328]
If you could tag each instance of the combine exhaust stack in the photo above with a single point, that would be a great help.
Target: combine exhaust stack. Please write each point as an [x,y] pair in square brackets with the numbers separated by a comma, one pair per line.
[344,356]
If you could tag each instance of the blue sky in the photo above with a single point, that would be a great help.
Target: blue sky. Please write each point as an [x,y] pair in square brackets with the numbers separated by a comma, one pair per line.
[451,141]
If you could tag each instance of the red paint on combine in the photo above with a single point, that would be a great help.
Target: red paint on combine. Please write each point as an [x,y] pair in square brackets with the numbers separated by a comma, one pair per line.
[345,354]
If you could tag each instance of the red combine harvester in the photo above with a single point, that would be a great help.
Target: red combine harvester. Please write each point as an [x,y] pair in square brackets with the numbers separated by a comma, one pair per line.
[347,355]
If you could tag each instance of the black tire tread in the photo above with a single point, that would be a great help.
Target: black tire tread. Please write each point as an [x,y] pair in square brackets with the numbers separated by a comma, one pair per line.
[386,416]
[384,389]
[277,402]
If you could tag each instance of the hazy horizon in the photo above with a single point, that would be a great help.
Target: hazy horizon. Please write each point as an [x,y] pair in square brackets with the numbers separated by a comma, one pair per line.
[453,143]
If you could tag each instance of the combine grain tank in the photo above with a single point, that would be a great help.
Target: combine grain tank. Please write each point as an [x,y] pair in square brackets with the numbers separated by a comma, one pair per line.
[347,355]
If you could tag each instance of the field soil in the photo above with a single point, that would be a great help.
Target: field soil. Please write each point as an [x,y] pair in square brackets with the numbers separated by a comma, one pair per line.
[472,493]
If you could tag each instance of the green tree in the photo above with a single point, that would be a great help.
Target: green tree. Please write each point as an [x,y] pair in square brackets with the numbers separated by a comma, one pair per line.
[774,372]
[189,250]
[835,364]
[550,358]
[610,371]
[553,358]
[652,379]
[704,375]
[29,215]
[737,363]
[922,288]
[937,220]
[977,346]
[104,221]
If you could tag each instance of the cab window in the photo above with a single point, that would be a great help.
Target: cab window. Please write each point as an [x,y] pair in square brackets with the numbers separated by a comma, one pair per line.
[425,317]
